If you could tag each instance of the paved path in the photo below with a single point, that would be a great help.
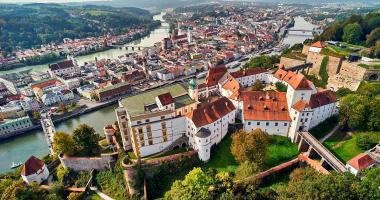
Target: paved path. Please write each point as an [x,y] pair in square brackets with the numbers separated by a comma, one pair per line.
[322,140]
[324,152]
[101,194]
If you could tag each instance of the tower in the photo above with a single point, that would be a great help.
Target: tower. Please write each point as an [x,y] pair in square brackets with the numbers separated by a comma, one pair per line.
[189,35]
[193,89]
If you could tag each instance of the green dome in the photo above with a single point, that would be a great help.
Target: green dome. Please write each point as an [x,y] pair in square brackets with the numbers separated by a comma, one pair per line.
[193,84]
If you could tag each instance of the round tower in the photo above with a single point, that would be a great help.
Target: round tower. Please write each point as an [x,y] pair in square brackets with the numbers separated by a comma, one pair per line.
[203,142]
[193,89]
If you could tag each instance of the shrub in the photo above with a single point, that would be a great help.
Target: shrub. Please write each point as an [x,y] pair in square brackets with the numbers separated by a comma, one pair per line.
[281,87]
[365,141]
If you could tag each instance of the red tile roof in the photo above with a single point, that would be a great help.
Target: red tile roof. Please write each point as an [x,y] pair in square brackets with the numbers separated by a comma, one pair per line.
[296,81]
[232,85]
[62,65]
[166,99]
[318,44]
[322,98]
[214,74]
[31,166]
[300,105]
[210,113]
[248,72]
[44,84]
[361,161]
[265,106]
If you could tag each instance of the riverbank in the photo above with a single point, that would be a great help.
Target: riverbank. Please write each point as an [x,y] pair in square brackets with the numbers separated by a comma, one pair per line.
[34,61]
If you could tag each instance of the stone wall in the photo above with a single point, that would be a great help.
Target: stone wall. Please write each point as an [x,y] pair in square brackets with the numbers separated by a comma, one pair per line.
[290,62]
[89,163]
[349,76]
[305,49]
[333,66]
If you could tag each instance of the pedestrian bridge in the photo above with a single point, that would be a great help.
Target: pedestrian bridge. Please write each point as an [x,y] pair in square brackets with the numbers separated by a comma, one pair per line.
[315,150]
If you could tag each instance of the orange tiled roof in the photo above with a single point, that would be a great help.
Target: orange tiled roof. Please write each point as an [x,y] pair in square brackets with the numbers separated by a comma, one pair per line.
[265,106]
[300,105]
[210,113]
[318,44]
[45,84]
[232,85]
[361,161]
[296,81]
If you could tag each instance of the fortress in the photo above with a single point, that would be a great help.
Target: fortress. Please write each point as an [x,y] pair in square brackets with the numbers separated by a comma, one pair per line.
[200,116]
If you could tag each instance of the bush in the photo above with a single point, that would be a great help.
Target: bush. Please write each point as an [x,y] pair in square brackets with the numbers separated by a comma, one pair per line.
[281,87]
[366,142]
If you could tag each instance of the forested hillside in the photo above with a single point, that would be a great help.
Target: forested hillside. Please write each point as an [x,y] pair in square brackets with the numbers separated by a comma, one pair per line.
[35,24]
[358,30]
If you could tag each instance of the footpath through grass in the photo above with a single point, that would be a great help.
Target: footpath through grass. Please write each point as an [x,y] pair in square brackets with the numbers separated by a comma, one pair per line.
[344,146]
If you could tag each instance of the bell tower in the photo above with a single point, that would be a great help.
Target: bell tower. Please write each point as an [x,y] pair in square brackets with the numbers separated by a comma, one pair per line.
[193,89]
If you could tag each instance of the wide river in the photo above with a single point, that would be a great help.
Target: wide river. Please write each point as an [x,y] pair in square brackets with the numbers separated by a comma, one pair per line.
[19,148]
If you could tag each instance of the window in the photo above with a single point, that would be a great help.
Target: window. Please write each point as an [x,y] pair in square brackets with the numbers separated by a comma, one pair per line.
[276,124]
[303,114]
[258,123]
[306,120]
[307,114]
[138,122]
[267,123]
[249,123]
[285,124]
[147,120]
[162,117]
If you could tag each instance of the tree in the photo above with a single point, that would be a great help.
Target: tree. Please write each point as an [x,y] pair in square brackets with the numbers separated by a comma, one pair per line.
[373,37]
[258,86]
[75,196]
[306,183]
[94,96]
[64,175]
[87,140]
[196,185]
[64,143]
[281,87]
[57,189]
[252,147]
[36,115]
[354,111]
[366,141]
[246,169]
[352,33]
[369,185]
[263,62]
[342,92]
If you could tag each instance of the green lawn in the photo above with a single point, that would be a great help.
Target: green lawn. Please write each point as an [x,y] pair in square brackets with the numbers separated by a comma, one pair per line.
[281,149]
[344,147]
[221,157]
[324,128]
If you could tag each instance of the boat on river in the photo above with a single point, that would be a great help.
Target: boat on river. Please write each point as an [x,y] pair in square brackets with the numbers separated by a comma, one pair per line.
[15,165]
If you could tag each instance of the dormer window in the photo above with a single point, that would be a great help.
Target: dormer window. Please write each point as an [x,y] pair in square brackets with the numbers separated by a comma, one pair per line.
[266,107]
[249,107]
[261,98]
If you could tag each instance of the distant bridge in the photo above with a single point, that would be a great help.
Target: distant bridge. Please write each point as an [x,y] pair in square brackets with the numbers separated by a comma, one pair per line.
[301,30]
[315,150]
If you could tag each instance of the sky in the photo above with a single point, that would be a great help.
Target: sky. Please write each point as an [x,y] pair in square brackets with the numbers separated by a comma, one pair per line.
[43,1]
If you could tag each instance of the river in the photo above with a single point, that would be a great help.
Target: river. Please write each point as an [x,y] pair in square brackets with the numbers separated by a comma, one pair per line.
[19,148]
[299,23]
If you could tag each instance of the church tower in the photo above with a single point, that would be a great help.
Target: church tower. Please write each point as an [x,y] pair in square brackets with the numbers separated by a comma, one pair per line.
[193,89]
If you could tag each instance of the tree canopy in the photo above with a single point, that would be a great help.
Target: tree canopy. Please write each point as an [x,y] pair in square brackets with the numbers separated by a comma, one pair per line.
[86,139]
[250,146]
